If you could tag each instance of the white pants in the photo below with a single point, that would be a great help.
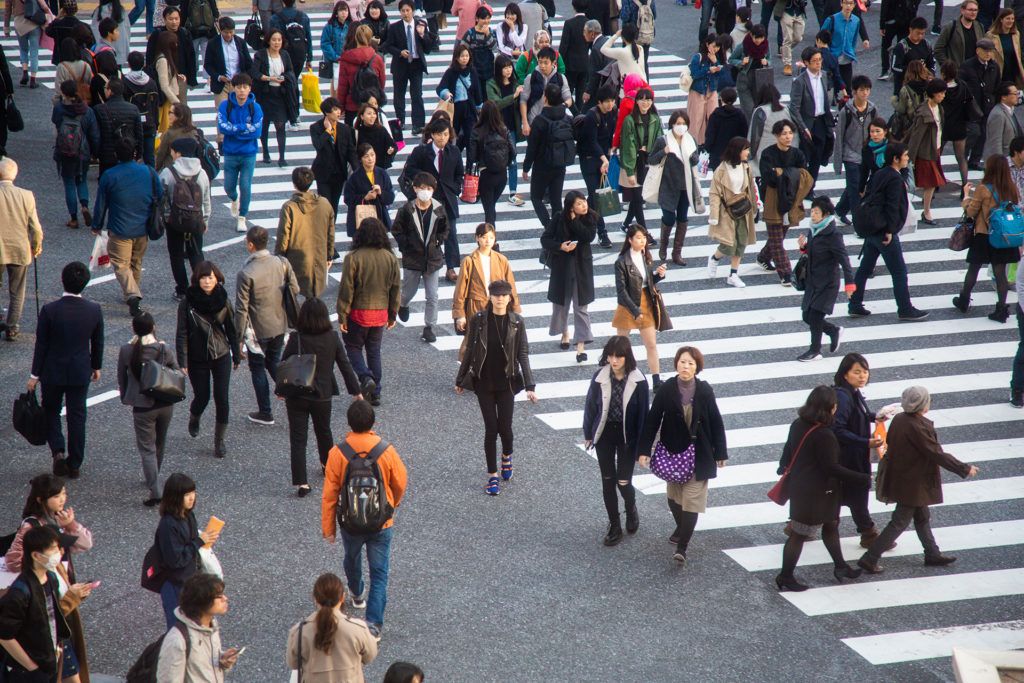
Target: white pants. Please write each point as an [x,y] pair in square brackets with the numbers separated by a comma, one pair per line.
[792,34]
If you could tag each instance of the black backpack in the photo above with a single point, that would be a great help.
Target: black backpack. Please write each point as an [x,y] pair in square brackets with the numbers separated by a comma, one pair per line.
[71,138]
[494,152]
[185,201]
[209,157]
[366,84]
[560,149]
[295,34]
[146,99]
[200,22]
[363,506]
[144,669]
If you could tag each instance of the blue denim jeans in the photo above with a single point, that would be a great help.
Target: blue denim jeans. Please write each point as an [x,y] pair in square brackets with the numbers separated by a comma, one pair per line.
[76,191]
[150,7]
[169,599]
[28,49]
[892,255]
[238,171]
[263,364]
[851,197]
[513,176]
[1017,379]
[378,549]
[149,148]
[356,340]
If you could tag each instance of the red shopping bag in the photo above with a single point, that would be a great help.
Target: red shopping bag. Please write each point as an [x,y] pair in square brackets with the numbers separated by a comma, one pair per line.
[471,188]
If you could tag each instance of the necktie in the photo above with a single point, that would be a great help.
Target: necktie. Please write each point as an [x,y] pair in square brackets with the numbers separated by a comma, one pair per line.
[440,159]
[412,45]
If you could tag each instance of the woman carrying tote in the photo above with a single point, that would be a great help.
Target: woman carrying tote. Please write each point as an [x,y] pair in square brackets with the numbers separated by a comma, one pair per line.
[686,412]
[639,302]
[368,185]
[613,419]
[496,366]
[477,272]
[811,458]
[679,188]
[732,191]
[640,130]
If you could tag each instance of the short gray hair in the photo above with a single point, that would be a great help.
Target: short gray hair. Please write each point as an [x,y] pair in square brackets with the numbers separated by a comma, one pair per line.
[8,169]
[593,26]
[915,399]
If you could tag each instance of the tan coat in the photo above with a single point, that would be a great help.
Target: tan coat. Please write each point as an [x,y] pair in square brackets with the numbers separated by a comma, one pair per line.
[1000,58]
[978,206]
[721,195]
[470,295]
[353,648]
[21,235]
[796,213]
[305,236]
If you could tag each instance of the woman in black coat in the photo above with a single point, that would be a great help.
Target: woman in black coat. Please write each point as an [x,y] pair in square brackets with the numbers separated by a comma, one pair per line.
[852,428]
[811,456]
[359,189]
[686,412]
[826,253]
[368,128]
[566,244]
[276,91]
[958,110]
[315,335]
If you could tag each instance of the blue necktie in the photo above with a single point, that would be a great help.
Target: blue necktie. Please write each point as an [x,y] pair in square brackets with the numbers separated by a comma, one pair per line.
[408,38]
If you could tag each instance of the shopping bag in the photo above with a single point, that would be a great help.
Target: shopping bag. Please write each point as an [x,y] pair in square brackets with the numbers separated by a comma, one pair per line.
[447,107]
[364,211]
[311,92]
[396,133]
[703,165]
[878,452]
[606,199]
[470,188]
[99,257]
[613,172]
[210,563]
[652,183]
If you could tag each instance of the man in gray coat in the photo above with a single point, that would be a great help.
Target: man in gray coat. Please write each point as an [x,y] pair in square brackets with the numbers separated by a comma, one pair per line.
[260,315]
[808,105]
[21,240]
[1002,126]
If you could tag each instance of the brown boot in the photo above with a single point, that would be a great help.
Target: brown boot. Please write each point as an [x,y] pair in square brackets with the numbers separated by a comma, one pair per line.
[677,244]
[868,537]
[666,232]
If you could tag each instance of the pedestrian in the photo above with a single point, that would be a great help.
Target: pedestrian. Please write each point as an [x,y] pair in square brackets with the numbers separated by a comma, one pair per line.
[127,196]
[1002,125]
[793,19]
[73,68]
[679,189]
[105,69]
[335,146]
[185,60]
[566,244]
[814,477]
[574,46]
[305,234]
[496,367]
[639,302]
[181,126]
[894,26]
[596,63]
[259,304]
[504,90]
[29,33]
[352,61]
[118,33]
[225,58]
[769,111]
[910,97]
[240,121]
[532,99]
[630,57]
[982,201]
[362,442]
[460,85]
[725,123]
[143,91]
[810,111]
[631,85]
[377,20]
[275,89]
[191,650]
[703,96]
[845,27]
[408,43]
[178,540]
[535,17]
[186,209]
[1007,54]
[208,348]
[958,110]
[826,252]
[640,130]
[68,355]
[613,420]
[482,43]
[369,185]
[201,26]
[117,120]
[420,228]
[368,301]
[369,128]
[909,48]
[893,205]
[959,37]
[334,35]
[852,133]
[512,32]
[873,155]
[172,83]
[466,10]
[477,272]
[785,184]
[314,335]
[686,413]
[442,159]
[752,55]
[732,182]
[151,417]
[334,646]
[924,142]
[296,35]
[981,76]
[490,149]
[21,242]
[1017,378]
[595,149]
[912,481]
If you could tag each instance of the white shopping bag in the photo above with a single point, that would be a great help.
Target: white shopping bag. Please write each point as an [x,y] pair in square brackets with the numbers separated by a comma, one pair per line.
[99,257]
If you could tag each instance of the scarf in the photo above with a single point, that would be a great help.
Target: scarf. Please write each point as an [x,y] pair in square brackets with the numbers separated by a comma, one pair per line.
[878,149]
[818,227]
[754,51]
[207,304]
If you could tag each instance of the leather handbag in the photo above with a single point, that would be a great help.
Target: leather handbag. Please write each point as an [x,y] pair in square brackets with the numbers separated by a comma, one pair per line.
[606,199]
[800,271]
[326,71]
[295,374]
[254,31]
[739,208]
[29,418]
[160,382]
[15,122]
[778,492]
[962,235]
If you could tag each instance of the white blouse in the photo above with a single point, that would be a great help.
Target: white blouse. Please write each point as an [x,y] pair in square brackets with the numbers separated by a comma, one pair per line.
[638,261]
[275,69]
[517,38]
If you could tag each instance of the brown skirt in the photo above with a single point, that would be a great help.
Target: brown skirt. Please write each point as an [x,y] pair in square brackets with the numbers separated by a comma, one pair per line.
[928,174]
[624,320]
[691,496]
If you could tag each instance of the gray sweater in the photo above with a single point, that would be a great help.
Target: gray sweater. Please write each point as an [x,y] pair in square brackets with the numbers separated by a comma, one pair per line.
[851,135]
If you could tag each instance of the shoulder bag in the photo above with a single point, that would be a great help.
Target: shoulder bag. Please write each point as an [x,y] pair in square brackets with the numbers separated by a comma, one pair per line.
[295,374]
[155,222]
[676,468]
[778,493]
[465,304]
[962,235]
[160,382]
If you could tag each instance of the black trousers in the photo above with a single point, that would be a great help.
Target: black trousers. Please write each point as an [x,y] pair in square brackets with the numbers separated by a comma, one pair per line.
[820,133]
[577,82]
[816,321]
[408,76]
[331,190]
[902,516]
[200,375]
[74,399]
[894,33]
[279,132]
[492,185]
[496,408]
[179,247]
[859,512]
[299,411]
[546,183]
[616,465]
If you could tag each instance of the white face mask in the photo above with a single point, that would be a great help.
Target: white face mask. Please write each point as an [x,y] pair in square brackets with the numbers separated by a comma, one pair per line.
[424,195]
[679,129]
[52,561]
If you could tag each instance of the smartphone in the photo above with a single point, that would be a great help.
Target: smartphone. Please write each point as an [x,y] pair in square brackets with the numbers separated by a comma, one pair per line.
[239,653]
[574,242]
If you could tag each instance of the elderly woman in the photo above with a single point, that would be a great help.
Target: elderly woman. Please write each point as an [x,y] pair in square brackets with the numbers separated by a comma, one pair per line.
[911,479]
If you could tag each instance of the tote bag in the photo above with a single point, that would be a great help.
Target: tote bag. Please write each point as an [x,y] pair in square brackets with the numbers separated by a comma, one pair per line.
[607,199]
[652,183]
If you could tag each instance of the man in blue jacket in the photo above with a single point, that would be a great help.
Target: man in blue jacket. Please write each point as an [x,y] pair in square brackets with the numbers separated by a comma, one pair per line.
[240,121]
[128,193]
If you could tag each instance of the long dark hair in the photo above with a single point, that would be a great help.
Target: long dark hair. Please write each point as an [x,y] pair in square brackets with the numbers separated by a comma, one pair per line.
[819,405]
[567,213]
[167,46]
[313,317]
[702,49]
[371,235]
[328,591]
[41,487]
[630,32]
[334,13]
[642,93]
[142,324]
[116,11]
[70,50]
[172,503]
[997,174]
[769,94]
[490,119]
[845,365]
[514,9]
[500,62]
[877,122]
[626,246]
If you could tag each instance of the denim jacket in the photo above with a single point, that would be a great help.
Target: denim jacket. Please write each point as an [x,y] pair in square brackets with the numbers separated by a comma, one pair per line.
[703,80]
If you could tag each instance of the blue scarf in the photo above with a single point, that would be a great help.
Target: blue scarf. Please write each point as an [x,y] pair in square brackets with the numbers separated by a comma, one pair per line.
[878,149]
[818,227]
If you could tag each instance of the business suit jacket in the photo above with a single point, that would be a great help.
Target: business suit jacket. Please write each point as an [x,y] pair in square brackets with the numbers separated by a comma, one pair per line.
[595,62]
[1000,129]
[213,62]
[334,157]
[801,101]
[396,42]
[573,47]
[69,342]
[452,172]
[981,81]
[21,235]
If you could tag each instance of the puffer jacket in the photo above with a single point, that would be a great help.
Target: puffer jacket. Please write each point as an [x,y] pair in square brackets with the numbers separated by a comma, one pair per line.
[201,664]
[206,327]
[516,349]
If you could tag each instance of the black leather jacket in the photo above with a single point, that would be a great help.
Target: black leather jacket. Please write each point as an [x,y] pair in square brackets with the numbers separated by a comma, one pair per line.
[629,283]
[517,349]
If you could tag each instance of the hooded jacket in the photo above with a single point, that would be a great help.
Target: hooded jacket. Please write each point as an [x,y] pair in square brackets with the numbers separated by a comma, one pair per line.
[348,66]
[724,124]
[305,236]
[240,125]
[90,130]
[185,167]
[851,134]
[202,662]
[419,253]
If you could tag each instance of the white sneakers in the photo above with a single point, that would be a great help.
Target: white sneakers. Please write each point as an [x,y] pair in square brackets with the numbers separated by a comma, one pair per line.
[712,266]
[234,208]
[734,281]
[241,227]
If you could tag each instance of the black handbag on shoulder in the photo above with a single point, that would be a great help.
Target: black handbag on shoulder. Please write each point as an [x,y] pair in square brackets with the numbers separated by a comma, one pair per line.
[160,382]
[739,208]
[295,374]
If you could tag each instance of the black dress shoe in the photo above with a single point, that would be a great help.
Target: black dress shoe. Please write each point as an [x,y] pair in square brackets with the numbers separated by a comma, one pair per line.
[60,464]
[72,473]
[304,491]
[939,560]
[151,502]
[789,583]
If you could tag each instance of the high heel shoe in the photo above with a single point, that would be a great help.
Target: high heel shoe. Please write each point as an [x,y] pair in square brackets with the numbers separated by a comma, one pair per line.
[789,583]
[845,571]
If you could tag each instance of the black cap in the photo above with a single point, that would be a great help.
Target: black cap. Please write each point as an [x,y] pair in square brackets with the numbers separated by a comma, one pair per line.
[186,147]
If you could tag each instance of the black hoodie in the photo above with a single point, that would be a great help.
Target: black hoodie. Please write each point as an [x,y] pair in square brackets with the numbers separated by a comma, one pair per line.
[539,133]
[724,124]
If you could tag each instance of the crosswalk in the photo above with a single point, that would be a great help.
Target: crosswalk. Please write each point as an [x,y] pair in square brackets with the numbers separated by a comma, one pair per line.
[750,338]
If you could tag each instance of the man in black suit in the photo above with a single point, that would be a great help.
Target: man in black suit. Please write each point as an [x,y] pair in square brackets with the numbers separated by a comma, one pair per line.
[574,48]
[68,355]
[187,65]
[981,76]
[335,146]
[595,62]
[225,57]
[408,42]
[601,11]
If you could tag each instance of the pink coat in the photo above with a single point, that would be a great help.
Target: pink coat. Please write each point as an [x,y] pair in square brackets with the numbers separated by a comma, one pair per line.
[465,10]
[14,555]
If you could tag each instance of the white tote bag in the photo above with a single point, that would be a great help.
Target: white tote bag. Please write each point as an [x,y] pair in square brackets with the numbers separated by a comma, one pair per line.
[652,183]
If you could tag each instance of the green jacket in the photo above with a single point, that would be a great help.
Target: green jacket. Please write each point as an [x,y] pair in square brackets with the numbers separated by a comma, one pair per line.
[630,141]
[494,95]
[370,281]
[526,63]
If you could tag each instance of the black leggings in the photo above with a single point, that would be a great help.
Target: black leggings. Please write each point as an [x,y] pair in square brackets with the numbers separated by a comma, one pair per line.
[492,184]
[795,544]
[200,374]
[279,131]
[971,279]
[686,522]
[616,467]
[818,324]
[496,407]
[635,210]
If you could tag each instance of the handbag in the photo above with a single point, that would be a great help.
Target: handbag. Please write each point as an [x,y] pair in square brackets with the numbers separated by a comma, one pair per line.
[739,208]
[295,374]
[800,273]
[881,476]
[447,107]
[962,235]
[676,468]
[777,492]
[288,300]
[35,12]
[326,71]
[471,187]
[396,134]
[254,31]
[364,211]
[311,92]
[155,222]
[29,418]
[15,122]
[613,172]
[685,79]
[606,199]
[152,571]
[664,322]
[160,382]
[652,183]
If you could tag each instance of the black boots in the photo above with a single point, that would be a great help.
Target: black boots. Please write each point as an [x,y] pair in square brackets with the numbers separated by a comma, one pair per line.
[193,425]
[614,532]
[632,520]
[219,449]
[1000,314]
[677,244]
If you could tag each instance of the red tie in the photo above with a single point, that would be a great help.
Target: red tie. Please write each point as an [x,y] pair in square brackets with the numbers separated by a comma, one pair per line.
[440,160]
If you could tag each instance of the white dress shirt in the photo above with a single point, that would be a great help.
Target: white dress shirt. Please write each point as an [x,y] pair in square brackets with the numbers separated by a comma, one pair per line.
[230,58]
[818,92]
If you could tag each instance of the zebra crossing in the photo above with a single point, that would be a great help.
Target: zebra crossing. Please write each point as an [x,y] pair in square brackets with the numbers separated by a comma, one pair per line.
[750,338]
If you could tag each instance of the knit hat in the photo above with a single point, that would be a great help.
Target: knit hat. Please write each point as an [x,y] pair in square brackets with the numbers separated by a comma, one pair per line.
[186,147]
[499,288]
[915,399]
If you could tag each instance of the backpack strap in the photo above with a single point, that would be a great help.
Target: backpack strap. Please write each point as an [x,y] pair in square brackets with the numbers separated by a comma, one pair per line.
[183,629]
[372,456]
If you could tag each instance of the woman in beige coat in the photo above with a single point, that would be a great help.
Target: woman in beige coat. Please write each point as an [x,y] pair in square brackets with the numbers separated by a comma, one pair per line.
[1006,37]
[732,185]
[328,646]
[172,84]
[478,270]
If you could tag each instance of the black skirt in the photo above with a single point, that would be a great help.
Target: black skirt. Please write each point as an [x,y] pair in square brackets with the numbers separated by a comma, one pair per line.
[271,101]
[982,252]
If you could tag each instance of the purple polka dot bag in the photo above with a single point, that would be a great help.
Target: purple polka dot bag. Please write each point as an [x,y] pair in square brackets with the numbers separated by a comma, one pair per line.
[674,467]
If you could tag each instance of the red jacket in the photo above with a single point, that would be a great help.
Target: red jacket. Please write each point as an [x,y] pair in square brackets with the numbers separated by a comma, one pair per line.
[349,64]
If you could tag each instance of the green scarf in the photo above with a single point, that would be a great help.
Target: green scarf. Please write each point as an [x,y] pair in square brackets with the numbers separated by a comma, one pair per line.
[818,227]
